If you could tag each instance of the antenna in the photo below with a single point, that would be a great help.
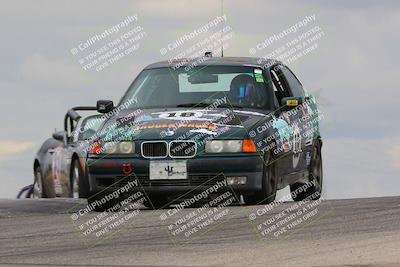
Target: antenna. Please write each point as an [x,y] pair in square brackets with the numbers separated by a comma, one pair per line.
[222,31]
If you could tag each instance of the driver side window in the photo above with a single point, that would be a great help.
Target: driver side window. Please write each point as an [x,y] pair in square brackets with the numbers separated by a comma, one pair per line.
[278,84]
[293,82]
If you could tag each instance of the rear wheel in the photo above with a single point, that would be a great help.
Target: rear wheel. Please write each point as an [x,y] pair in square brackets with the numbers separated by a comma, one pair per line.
[269,184]
[79,185]
[38,189]
[311,189]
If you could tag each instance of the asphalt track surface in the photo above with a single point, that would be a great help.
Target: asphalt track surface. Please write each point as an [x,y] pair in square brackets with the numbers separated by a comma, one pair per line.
[356,232]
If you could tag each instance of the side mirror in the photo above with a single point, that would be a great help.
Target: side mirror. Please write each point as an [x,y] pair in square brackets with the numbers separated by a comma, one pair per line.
[60,136]
[104,106]
[287,103]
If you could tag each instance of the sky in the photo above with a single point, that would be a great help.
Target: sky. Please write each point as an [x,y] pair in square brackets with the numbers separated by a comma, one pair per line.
[353,71]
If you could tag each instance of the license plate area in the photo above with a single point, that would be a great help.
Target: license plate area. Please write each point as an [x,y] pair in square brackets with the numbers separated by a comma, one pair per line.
[168,170]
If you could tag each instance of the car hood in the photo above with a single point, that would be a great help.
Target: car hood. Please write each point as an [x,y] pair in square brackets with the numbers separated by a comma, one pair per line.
[180,123]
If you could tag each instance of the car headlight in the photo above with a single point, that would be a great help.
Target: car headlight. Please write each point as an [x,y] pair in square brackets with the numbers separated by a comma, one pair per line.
[109,148]
[126,147]
[113,148]
[234,146]
[224,146]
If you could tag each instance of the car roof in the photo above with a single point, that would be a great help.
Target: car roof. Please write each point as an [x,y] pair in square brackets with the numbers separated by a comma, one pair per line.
[216,61]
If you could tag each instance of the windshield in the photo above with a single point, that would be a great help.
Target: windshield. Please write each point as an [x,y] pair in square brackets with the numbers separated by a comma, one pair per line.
[241,87]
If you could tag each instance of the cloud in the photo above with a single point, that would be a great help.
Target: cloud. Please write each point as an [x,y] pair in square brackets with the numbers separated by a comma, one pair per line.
[10,148]
[41,71]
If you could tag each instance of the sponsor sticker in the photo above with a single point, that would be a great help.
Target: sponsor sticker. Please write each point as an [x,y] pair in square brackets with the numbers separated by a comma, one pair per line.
[259,78]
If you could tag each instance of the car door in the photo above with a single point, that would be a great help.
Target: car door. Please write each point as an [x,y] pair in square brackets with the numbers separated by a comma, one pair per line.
[300,122]
[61,163]
[288,125]
[281,125]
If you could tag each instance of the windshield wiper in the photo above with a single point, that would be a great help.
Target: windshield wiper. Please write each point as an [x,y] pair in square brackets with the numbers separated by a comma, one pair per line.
[203,104]
[226,105]
[190,105]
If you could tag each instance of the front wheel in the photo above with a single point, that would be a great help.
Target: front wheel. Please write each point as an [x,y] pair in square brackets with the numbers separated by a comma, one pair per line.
[79,185]
[312,189]
[269,184]
[38,189]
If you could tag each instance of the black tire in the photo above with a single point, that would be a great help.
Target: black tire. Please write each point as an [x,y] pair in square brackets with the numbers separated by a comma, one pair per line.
[98,204]
[83,186]
[25,192]
[269,184]
[157,202]
[38,188]
[312,189]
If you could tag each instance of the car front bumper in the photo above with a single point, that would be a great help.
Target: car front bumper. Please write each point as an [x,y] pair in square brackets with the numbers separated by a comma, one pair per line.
[108,174]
